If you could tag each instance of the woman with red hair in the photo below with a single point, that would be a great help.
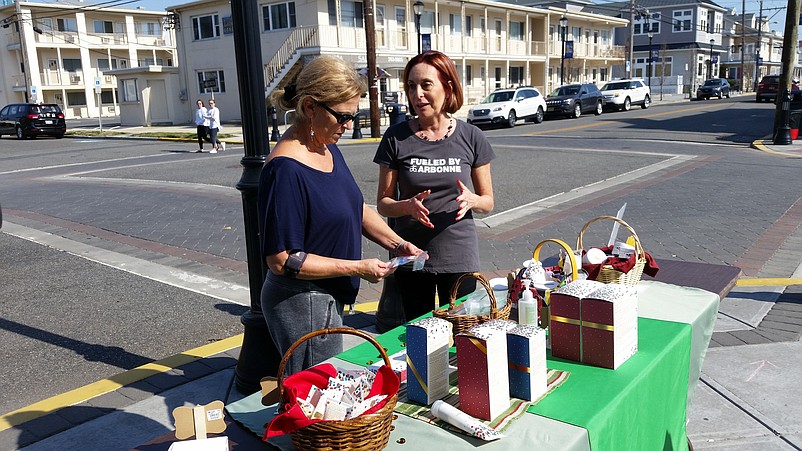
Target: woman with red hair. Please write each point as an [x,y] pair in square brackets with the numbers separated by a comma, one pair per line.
[434,172]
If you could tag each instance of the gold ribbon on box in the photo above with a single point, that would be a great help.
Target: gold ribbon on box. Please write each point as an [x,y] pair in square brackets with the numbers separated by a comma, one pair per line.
[414,371]
[582,323]
[521,368]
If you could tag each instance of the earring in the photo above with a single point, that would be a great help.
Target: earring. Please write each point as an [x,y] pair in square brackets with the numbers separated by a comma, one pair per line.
[311,132]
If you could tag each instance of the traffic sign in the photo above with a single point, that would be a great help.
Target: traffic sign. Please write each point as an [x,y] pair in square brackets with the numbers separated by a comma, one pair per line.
[97,81]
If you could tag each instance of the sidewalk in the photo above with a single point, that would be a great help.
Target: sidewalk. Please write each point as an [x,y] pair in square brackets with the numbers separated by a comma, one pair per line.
[744,400]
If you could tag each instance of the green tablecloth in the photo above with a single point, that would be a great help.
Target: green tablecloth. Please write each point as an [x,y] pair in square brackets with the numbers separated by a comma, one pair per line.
[656,300]
[616,407]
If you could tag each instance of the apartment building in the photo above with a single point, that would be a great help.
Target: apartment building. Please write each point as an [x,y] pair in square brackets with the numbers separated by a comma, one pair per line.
[493,44]
[67,53]
[676,43]
[753,49]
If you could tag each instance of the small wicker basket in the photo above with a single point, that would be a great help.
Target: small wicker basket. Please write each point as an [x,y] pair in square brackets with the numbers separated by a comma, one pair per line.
[607,274]
[545,317]
[365,432]
[462,322]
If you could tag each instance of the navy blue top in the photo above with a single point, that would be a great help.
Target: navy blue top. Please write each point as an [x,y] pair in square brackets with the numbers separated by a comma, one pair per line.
[313,211]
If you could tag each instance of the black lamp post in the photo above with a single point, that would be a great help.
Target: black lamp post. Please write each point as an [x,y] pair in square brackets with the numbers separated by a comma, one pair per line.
[417,7]
[563,27]
[710,72]
[650,59]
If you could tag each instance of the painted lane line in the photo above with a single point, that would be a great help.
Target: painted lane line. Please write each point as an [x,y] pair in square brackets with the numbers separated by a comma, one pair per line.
[207,286]
[108,385]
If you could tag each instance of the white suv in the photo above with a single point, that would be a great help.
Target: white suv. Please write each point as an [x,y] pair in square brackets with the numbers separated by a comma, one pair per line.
[506,106]
[622,94]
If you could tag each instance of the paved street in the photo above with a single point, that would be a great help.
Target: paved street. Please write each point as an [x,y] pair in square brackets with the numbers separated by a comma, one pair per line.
[119,252]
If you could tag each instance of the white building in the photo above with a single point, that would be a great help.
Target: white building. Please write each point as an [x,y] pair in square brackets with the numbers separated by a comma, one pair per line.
[64,53]
[493,44]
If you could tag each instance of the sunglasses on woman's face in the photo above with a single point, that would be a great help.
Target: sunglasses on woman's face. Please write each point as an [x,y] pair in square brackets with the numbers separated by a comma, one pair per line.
[341,118]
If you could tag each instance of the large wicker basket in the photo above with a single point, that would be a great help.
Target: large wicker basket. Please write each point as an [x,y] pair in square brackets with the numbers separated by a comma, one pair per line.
[545,311]
[365,432]
[462,322]
[607,273]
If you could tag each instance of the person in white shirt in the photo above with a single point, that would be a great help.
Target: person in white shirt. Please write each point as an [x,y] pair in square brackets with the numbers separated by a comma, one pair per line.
[202,124]
[213,114]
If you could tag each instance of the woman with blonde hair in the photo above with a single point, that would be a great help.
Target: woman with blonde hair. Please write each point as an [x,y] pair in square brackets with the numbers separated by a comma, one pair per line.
[312,215]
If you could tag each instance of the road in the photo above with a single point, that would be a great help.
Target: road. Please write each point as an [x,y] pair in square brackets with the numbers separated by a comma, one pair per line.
[118,252]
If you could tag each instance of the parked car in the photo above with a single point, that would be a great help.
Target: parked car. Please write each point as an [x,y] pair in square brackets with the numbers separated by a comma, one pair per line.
[769,86]
[573,100]
[506,106]
[29,120]
[714,87]
[622,94]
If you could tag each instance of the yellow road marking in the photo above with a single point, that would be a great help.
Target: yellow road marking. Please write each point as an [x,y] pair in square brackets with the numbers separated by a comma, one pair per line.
[768,282]
[759,145]
[101,387]
[606,122]
[367,307]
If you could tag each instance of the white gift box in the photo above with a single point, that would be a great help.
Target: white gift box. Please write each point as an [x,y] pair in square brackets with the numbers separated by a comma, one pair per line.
[428,341]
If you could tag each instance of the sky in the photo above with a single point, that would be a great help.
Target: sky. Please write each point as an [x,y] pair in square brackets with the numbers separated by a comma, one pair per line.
[752,6]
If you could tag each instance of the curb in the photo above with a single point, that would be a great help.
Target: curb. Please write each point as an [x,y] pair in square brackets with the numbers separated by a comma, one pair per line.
[760,144]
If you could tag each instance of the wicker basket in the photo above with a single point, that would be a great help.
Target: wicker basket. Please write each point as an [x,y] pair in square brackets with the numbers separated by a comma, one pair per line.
[545,311]
[365,432]
[462,322]
[607,273]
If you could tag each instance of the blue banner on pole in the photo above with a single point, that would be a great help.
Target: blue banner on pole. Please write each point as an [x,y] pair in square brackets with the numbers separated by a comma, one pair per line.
[426,42]
[569,49]
[654,55]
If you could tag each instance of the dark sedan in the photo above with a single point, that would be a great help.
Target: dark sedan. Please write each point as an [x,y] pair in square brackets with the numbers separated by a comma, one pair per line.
[715,87]
[573,100]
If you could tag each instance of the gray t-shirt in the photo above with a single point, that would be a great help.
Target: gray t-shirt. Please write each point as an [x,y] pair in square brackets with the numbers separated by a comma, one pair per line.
[437,165]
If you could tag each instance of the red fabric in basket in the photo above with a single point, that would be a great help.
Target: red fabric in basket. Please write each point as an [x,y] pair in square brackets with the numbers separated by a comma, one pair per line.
[299,384]
[621,264]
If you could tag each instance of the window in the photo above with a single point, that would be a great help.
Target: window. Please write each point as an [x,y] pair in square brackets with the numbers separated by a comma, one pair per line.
[517,31]
[67,25]
[351,14]
[71,64]
[332,7]
[662,67]
[103,64]
[649,23]
[468,26]
[682,20]
[130,92]
[455,24]
[76,98]
[205,76]
[107,97]
[576,35]
[104,26]
[150,62]
[206,27]
[516,75]
[603,74]
[279,16]
[149,29]
[468,75]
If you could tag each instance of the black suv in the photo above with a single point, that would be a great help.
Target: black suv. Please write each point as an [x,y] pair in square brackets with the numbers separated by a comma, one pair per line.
[29,120]
[714,87]
[573,100]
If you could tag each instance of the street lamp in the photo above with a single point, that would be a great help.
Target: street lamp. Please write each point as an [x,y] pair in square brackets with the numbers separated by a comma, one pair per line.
[563,27]
[650,59]
[417,7]
[710,72]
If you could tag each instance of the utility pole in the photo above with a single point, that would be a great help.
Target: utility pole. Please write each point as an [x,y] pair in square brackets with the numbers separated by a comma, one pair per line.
[743,45]
[790,44]
[758,47]
[373,87]
[631,59]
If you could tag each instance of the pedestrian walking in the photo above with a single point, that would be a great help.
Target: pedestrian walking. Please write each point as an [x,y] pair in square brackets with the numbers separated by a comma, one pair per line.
[202,124]
[440,168]
[213,114]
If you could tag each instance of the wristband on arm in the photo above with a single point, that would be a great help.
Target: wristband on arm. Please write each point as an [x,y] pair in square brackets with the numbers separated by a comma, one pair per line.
[292,266]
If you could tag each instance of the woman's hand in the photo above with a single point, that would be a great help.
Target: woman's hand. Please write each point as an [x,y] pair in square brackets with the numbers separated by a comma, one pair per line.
[373,270]
[406,248]
[466,200]
[416,209]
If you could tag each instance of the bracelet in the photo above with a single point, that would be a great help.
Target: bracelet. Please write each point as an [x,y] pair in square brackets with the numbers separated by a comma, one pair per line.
[398,246]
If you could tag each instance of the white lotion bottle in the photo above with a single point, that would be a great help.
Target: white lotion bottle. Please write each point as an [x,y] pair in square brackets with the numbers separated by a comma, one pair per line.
[527,307]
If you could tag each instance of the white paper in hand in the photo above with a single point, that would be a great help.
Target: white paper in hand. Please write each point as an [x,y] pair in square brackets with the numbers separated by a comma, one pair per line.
[417,261]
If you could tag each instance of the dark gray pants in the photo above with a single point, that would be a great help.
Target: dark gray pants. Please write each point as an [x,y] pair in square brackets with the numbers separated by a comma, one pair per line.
[293,308]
